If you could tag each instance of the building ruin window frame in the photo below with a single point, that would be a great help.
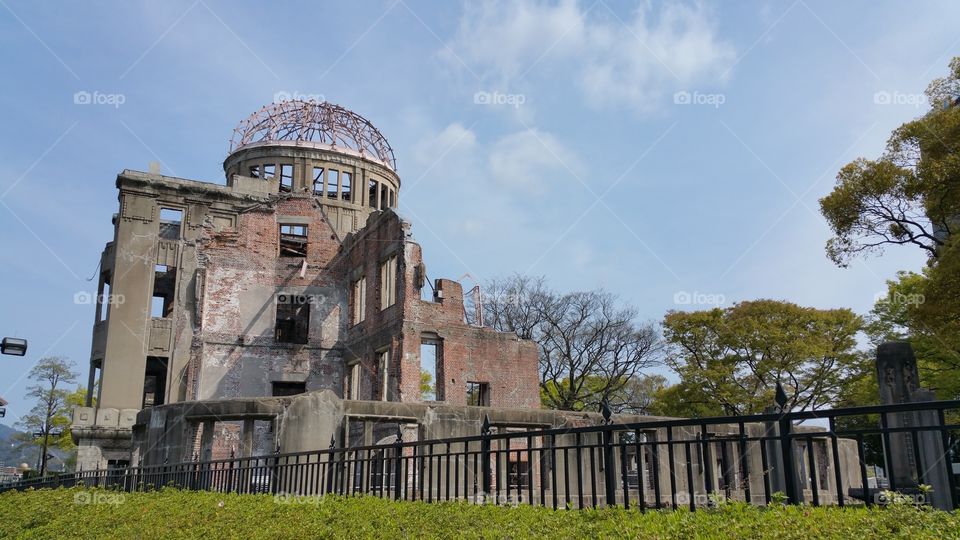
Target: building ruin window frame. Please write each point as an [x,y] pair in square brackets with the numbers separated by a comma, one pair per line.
[352,380]
[166,225]
[358,302]
[333,184]
[388,281]
[373,188]
[346,186]
[382,384]
[319,179]
[286,180]
[299,331]
[271,173]
[293,237]
[482,391]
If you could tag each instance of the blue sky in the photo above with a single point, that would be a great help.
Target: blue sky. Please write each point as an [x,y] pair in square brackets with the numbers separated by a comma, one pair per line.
[662,151]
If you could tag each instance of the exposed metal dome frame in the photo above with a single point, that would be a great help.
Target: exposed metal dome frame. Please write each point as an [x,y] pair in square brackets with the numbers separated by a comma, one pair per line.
[317,122]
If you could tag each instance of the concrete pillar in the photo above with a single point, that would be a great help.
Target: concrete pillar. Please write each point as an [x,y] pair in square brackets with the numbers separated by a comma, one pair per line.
[206,440]
[898,380]
[246,449]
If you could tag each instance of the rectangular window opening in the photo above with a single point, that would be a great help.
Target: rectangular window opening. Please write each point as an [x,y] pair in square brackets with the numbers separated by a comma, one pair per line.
[287,388]
[381,392]
[170,221]
[293,319]
[430,369]
[269,171]
[286,177]
[318,180]
[154,381]
[478,394]
[372,200]
[164,287]
[333,183]
[254,171]
[352,384]
[388,282]
[156,306]
[383,196]
[393,199]
[293,240]
[359,300]
[346,181]
[103,299]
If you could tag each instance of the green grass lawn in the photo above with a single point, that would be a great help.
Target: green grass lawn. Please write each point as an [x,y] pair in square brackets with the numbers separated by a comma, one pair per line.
[79,513]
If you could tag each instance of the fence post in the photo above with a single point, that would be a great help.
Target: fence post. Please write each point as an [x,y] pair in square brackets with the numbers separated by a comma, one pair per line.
[485,455]
[331,472]
[786,448]
[275,472]
[609,476]
[397,465]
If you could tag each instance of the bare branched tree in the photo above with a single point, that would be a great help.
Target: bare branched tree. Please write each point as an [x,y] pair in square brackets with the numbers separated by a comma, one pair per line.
[591,345]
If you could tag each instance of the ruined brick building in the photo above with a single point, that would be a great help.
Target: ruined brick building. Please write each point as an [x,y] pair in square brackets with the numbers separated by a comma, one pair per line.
[297,275]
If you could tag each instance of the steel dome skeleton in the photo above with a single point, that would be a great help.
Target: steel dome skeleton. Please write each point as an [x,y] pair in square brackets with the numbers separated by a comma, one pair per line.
[311,121]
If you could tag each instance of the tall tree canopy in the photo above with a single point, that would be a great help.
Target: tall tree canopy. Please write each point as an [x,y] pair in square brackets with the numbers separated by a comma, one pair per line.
[730,360]
[924,309]
[592,347]
[911,194]
[47,424]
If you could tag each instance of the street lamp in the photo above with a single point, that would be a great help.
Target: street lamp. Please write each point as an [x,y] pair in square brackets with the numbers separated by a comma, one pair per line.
[13,346]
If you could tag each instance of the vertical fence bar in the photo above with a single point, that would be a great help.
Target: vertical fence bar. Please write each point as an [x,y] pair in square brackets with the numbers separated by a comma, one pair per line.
[691,489]
[707,461]
[609,475]
[945,437]
[638,457]
[835,449]
[786,453]
[887,452]
[623,474]
[812,472]
[673,472]
[553,470]
[744,463]
[861,456]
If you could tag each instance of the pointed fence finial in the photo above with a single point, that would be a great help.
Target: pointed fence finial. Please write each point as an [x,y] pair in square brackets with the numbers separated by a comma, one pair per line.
[485,427]
[781,397]
[399,434]
[606,411]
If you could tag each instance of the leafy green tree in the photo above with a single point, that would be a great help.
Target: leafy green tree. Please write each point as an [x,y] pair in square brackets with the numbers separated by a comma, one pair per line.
[47,424]
[426,385]
[730,360]
[911,194]
[635,395]
[77,398]
[684,401]
[925,310]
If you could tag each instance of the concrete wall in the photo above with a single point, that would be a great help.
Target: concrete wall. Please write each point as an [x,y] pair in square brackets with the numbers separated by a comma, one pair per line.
[309,422]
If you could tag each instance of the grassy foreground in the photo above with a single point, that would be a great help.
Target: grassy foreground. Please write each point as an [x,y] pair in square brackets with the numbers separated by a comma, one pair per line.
[79,513]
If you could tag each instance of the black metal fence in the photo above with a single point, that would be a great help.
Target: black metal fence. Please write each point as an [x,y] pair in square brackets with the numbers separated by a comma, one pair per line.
[658,464]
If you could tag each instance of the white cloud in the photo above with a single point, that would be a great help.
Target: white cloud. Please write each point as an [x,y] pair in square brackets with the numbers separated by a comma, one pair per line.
[529,160]
[613,61]
[453,144]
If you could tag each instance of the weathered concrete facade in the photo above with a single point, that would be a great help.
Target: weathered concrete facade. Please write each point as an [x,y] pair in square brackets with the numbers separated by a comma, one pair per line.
[295,276]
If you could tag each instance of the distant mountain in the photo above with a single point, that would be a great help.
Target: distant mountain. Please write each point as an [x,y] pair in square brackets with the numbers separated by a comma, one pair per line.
[10,454]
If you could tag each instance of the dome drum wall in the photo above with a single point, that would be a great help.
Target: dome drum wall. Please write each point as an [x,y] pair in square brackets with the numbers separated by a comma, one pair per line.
[338,177]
